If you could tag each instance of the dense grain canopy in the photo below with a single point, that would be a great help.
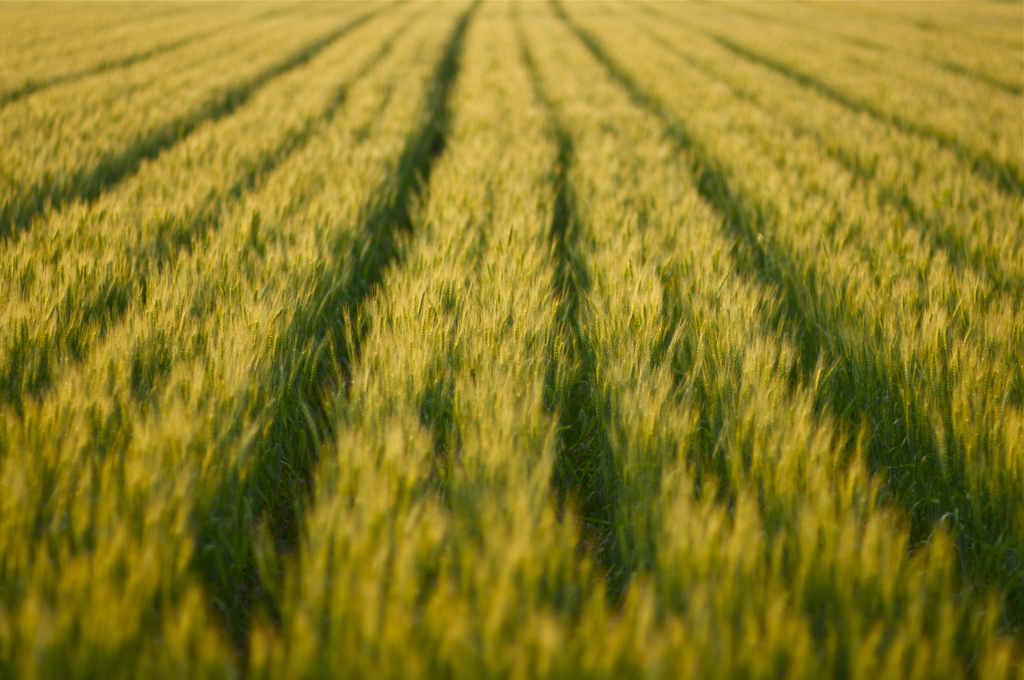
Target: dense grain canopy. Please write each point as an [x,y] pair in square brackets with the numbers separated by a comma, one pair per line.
[563,339]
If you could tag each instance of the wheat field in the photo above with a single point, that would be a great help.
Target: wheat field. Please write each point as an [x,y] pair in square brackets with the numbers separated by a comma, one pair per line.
[512,340]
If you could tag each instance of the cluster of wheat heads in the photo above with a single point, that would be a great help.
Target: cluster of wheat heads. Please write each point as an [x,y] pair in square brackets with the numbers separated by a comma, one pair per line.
[512,340]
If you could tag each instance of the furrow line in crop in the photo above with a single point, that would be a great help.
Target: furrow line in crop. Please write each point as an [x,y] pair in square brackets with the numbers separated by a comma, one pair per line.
[32,87]
[928,25]
[855,40]
[983,260]
[88,312]
[925,471]
[104,23]
[975,74]
[114,166]
[27,37]
[583,473]
[298,423]
[912,48]
[1002,174]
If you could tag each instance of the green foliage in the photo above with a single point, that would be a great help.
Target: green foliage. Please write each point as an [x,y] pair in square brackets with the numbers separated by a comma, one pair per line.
[512,340]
